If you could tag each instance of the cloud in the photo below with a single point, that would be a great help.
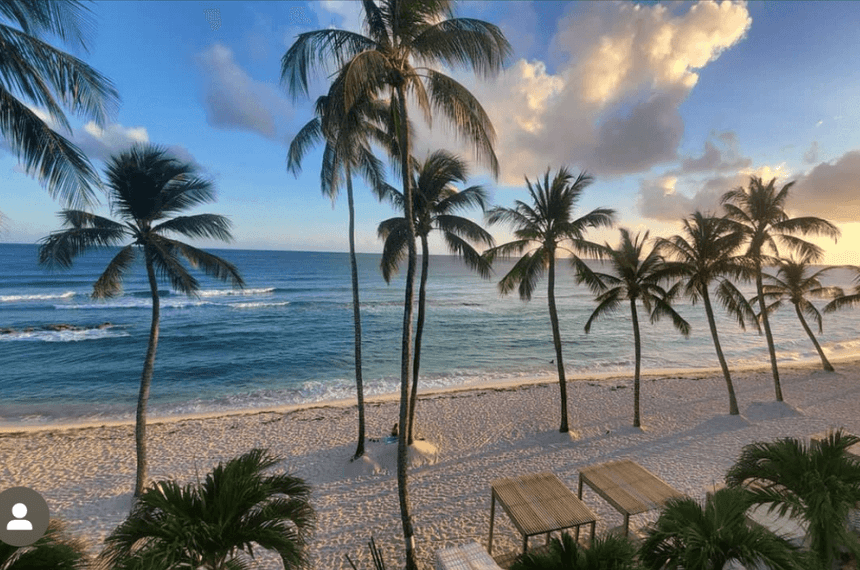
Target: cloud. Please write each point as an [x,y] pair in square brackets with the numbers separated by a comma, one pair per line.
[831,191]
[349,13]
[811,155]
[659,200]
[716,159]
[100,143]
[234,100]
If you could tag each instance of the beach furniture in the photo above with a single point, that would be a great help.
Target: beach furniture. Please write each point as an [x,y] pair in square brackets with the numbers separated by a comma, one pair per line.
[470,556]
[538,504]
[627,486]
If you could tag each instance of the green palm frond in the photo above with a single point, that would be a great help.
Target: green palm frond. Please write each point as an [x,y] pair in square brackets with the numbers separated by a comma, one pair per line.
[607,302]
[607,552]
[525,273]
[464,250]
[165,258]
[308,136]
[69,21]
[396,235]
[87,232]
[736,304]
[56,550]
[199,226]
[507,250]
[109,284]
[463,43]
[211,265]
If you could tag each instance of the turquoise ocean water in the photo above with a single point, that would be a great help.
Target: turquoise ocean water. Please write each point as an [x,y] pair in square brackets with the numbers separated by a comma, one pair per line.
[287,338]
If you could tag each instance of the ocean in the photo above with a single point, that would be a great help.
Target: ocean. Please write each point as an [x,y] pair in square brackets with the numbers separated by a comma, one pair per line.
[287,338]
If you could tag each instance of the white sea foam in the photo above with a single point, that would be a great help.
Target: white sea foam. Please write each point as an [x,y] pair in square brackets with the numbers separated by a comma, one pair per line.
[236,292]
[139,303]
[43,297]
[258,305]
[62,336]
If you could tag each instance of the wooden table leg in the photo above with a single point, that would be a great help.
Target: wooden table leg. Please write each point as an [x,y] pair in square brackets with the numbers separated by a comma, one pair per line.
[576,535]
[580,486]
[593,528]
[626,523]
[525,543]
[492,517]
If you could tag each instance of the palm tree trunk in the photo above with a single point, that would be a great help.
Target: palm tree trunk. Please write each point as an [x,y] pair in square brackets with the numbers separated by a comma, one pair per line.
[406,344]
[146,379]
[824,362]
[356,316]
[733,401]
[638,352]
[556,339]
[770,348]
[419,329]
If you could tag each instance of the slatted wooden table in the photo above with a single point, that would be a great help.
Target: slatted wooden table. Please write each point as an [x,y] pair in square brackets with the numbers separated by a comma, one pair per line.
[538,504]
[627,486]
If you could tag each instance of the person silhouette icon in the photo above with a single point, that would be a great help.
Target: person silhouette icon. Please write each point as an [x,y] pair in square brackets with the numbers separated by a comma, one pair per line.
[19,511]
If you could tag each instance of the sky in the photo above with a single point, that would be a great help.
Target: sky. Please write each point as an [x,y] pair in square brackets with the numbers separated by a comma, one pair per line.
[667,104]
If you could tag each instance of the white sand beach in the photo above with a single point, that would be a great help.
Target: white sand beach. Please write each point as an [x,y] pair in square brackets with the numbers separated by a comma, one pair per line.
[87,473]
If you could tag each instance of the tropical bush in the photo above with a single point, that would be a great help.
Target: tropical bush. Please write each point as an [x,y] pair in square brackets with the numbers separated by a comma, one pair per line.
[55,550]
[608,552]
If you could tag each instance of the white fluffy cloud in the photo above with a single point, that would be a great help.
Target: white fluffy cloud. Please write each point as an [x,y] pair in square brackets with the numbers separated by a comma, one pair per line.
[99,143]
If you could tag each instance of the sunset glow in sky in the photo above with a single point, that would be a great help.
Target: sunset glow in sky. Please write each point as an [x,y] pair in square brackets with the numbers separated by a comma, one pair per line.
[668,105]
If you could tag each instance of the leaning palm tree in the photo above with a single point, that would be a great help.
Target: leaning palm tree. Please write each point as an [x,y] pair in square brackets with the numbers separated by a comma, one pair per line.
[791,283]
[759,213]
[706,255]
[635,278]
[55,550]
[690,535]
[347,150]
[548,226]
[217,524]
[607,552]
[146,185]
[436,203]
[45,77]
[403,36]
[844,301]
[818,484]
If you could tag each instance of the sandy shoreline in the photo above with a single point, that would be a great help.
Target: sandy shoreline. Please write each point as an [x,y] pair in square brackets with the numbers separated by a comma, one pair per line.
[86,472]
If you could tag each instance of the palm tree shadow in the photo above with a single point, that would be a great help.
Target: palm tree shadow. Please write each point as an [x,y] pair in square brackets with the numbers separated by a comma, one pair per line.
[763,411]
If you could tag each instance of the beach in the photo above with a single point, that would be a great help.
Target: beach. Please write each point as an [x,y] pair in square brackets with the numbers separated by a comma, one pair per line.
[472,437]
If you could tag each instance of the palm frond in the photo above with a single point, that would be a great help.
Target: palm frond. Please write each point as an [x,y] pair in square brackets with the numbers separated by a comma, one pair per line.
[308,136]
[525,273]
[607,302]
[736,304]
[463,43]
[211,265]
[507,250]
[88,231]
[396,235]
[470,256]
[109,284]
[842,302]
[164,256]
[198,226]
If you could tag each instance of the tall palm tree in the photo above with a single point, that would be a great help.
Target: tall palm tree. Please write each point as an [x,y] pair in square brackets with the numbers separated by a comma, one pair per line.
[436,203]
[55,549]
[401,36]
[705,254]
[217,523]
[548,225]
[607,552]
[690,535]
[32,70]
[759,213]
[635,278]
[146,185]
[843,301]
[347,137]
[791,283]
[816,483]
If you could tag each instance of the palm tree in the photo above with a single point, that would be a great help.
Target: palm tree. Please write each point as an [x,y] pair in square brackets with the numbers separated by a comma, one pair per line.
[436,203]
[146,185]
[689,535]
[55,549]
[759,213]
[548,226]
[817,484]
[217,523]
[42,74]
[634,279]
[608,552]
[346,150]
[791,283]
[704,255]
[401,34]
[843,301]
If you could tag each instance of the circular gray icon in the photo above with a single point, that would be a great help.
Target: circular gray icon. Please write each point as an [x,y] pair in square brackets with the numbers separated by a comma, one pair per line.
[24,516]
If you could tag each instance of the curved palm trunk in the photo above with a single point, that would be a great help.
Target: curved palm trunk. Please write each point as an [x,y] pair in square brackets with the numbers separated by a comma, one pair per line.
[406,344]
[733,401]
[146,380]
[356,317]
[770,348]
[556,340]
[419,329]
[824,362]
[638,351]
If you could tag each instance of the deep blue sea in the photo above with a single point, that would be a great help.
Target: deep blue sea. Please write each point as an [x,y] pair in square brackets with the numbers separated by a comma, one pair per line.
[288,336]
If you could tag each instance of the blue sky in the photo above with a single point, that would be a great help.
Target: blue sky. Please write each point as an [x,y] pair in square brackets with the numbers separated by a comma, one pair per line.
[668,105]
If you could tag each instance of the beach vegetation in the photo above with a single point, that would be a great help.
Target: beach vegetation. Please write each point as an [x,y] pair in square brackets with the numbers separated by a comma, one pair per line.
[607,552]
[815,483]
[402,41]
[793,284]
[435,206]
[218,523]
[56,550]
[849,300]
[146,187]
[634,278]
[705,254]
[758,213]
[547,225]
[35,73]
[690,535]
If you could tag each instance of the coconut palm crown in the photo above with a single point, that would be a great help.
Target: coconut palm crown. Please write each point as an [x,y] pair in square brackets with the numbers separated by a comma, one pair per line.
[436,205]
[850,300]
[146,187]
[793,283]
[547,225]
[758,212]
[634,278]
[33,72]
